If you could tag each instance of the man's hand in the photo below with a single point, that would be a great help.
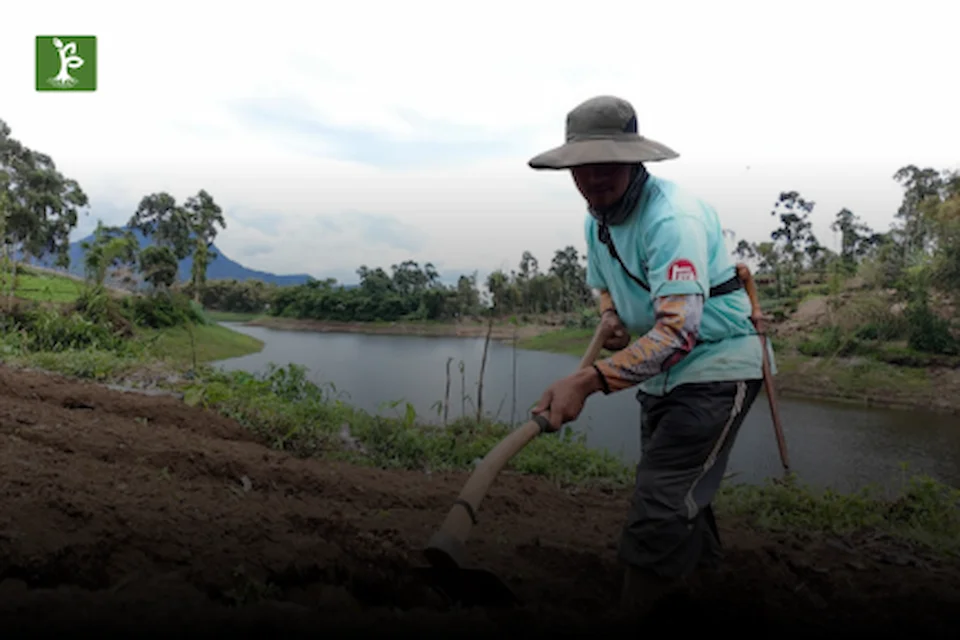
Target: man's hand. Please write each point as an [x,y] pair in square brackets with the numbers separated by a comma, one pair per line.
[616,336]
[563,401]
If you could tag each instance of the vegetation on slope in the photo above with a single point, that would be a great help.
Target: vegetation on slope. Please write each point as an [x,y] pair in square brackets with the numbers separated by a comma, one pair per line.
[94,333]
[91,334]
[288,412]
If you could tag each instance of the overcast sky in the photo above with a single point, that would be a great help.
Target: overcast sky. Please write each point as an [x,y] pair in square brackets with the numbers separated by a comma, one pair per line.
[335,136]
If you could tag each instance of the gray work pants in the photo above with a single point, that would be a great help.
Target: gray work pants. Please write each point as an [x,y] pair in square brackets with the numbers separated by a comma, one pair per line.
[686,438]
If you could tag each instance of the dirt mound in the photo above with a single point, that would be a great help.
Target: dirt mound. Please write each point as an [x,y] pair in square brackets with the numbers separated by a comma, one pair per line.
[145,514]
[810,314]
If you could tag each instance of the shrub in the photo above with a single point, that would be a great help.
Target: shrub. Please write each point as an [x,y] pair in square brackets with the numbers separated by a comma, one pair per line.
[927,332]
[45,328]
[163,309]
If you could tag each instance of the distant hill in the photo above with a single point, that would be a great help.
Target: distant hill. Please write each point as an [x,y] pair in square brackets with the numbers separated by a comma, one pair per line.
[221,268]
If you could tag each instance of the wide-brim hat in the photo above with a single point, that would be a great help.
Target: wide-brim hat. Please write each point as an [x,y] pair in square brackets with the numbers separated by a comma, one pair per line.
[603,130]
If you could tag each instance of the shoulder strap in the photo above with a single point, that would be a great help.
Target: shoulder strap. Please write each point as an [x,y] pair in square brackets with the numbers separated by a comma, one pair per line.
[603,232]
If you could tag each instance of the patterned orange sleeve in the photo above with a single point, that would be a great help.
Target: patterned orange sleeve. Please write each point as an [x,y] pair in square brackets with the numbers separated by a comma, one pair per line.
[673,336]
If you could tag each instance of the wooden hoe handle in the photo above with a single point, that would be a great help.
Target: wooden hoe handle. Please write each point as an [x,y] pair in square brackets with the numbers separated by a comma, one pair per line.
[447,546]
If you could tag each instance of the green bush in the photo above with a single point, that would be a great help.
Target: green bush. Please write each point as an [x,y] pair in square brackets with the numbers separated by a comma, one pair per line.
[289,412]
[882,330]
[830,342]
[928,332]
[88,364]
[49,329]
[163,309]
[924,511]
[246,296]
[904,356]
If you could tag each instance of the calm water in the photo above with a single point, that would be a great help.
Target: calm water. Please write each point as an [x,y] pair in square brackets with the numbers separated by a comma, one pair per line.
[829,444]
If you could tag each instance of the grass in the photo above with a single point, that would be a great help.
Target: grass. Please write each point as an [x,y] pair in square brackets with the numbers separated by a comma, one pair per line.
[231,316]
[173,345]
[291,413]
[42,287]
[212,342]
[867,381]
[288,412]
[166,350]
[925,512]
[87,364]
[567,341]
[857,376]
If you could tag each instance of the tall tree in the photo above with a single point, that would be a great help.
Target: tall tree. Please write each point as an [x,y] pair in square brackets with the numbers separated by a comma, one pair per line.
[40,206]
[794,238]
[468,298]
[856,238]
[158,216]
[111,247]
[566,266]
[918,185]
[158,264]
[498,283]
[942,216]
[204,216]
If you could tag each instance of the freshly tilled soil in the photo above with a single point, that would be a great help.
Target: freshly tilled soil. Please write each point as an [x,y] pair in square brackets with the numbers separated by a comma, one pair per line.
[138,513]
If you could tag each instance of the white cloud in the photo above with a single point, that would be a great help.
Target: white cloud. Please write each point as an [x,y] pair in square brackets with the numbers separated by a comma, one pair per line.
[828,98]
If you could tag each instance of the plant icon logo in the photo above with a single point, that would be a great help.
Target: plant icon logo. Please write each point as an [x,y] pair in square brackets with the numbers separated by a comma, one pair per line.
[66,63]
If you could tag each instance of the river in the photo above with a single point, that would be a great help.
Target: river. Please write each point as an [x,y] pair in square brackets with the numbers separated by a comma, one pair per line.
[830,444]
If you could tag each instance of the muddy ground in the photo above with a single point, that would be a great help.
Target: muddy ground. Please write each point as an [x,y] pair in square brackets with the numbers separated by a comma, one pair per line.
[143,514]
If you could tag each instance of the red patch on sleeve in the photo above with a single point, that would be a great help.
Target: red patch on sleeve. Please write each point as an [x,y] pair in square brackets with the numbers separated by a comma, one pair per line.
[682,270]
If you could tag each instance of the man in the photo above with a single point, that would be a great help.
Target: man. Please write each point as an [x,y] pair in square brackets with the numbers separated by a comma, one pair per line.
[657,255]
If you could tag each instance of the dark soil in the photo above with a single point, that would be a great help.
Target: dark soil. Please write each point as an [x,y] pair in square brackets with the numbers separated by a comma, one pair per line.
[142,514]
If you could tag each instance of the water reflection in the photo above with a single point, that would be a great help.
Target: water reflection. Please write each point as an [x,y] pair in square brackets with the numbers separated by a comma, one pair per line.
[830,444]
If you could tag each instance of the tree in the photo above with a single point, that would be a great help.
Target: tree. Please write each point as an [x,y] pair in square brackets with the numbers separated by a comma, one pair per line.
[111,247]
[856,239]
[243,296]
[409,279]
[40,206]
[796,244]
[375,281]
[918,241]
[498,283]
[572,275]
[467,298]
[158,264]
[431,275]
[919,185]
[158,216]
[204,216]
[941,213]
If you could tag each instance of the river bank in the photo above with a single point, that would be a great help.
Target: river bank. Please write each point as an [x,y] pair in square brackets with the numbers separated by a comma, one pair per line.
[859,380]
[467,329]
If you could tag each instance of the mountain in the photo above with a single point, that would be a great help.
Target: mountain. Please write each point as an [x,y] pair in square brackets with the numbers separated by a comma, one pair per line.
[220,268]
